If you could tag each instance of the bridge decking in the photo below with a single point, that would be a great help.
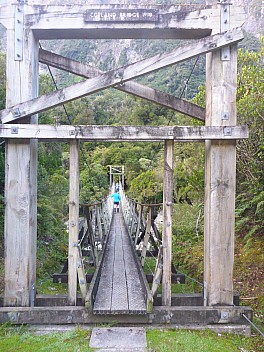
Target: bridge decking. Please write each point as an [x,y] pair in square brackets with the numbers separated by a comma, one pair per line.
[120,290]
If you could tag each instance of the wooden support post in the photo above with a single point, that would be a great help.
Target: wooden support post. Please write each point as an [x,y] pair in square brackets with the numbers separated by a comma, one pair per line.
[98,223]
[167,221]
[110,177]
[21,171]
[102,217]
[81,273]
[139,221]
[106,218]
[73,222]
[220,175]
[91,235]
[157,273]
[123,177]
[146,237]
[134,220]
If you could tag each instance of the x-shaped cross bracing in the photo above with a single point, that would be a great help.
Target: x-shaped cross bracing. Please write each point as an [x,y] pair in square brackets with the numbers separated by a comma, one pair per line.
[121,75]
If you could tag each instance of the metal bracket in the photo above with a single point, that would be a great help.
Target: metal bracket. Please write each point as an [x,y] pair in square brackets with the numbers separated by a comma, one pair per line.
[32,295]
[19,31]
[224,115]
[12,317]
[205,294]
[14,130]
[224,316]
[79,265]
[16,113]
[227,131]
[77,131]
[225,26]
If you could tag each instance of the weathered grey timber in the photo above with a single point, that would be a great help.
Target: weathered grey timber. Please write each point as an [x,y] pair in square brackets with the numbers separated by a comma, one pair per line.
[134,88]
[120,75]
[193,299]
[222,316]
[167,221]
[21,180]
[172,22]
[63,278]
[122,133]
[120,289]
[73,221]
[220,173]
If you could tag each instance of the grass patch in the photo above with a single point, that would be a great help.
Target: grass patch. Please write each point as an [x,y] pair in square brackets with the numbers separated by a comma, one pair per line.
[205,341]
[13,339]
[47,286]
[20,339]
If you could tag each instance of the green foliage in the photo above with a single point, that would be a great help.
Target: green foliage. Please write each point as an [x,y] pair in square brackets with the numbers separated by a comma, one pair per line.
[250,200]
[94,183]
[144,162]
[21,339]
[250,152]
[53,190]
[146,187]
[187,241]
[206,341]
[189,172]
[169,340]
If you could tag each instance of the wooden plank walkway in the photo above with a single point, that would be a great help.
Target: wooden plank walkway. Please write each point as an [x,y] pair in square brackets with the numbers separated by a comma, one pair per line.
[120,290]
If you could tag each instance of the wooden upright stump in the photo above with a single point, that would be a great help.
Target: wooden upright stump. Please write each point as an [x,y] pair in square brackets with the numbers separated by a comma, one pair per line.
[220,177]
[73,222]
[21,172]
[167,221]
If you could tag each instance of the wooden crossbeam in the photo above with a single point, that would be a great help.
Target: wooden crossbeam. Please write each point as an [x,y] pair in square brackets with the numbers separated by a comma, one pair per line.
[171,22]
[134,88]
[121,75]
[123,133]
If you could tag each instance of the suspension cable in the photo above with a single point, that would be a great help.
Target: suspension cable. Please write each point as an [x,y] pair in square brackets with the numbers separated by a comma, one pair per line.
[65,110]
[180,96]
[56,88]
[192,279]
[254,326]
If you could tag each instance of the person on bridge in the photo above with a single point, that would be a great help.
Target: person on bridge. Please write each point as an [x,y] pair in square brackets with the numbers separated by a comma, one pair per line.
[116,197]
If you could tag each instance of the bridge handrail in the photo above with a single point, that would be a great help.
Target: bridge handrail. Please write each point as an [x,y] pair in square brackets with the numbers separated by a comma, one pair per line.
[98,216]
[146,231]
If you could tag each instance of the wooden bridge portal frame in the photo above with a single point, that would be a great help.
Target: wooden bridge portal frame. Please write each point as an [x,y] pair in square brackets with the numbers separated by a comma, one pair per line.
[215,31]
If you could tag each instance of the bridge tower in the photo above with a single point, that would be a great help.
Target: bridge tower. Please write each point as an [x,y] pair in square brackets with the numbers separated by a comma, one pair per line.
[214,30]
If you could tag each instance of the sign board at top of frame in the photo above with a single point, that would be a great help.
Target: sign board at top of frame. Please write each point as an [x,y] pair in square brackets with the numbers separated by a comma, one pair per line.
[117,15]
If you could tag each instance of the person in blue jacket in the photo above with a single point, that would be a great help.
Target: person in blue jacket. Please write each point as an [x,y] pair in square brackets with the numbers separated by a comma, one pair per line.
[116,197]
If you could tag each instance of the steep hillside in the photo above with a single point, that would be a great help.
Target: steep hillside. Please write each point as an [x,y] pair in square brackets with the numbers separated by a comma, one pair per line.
[254,14]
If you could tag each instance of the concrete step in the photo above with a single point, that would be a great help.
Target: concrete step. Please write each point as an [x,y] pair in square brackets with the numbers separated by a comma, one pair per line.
[119,339]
